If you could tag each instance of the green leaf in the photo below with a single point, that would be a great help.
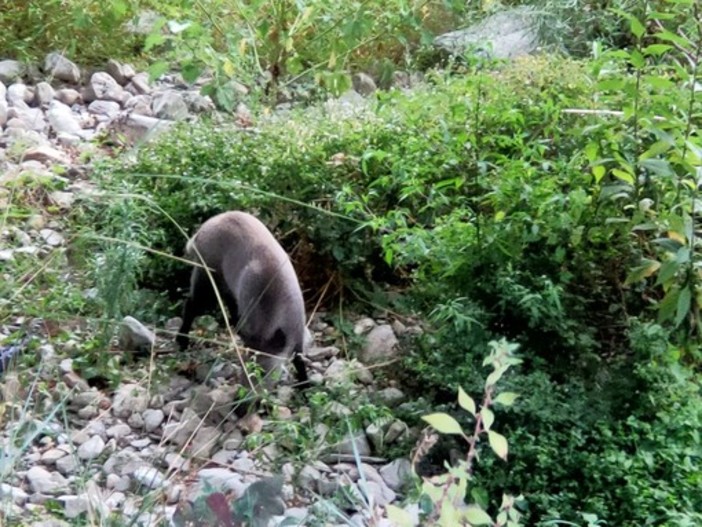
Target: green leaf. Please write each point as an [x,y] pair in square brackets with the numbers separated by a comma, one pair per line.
[684,303]
[399,517]
[646,269]
[495,376]
[153,40]
[190,72]
[498,443]
[157,69]
[488,418]
[610,84]
[466,401]
[637,59]
[657,49]
[667,272]
[443,423]
[668,305]
[477,516]
[637,28]
[506,398]
[624,176]
[599,172]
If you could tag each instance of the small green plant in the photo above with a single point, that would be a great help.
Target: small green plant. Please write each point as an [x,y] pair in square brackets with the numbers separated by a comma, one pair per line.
[447,493]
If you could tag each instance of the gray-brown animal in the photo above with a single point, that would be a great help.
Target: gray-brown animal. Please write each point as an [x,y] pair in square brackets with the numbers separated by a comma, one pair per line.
[258,284]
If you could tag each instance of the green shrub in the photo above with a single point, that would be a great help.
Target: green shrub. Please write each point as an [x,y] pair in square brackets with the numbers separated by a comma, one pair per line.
[88,31]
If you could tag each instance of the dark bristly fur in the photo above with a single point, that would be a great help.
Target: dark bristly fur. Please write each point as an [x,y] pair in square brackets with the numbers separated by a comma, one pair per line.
[257,283]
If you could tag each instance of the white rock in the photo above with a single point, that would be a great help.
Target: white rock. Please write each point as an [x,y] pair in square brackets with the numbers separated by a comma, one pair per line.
[107,88]
[63,200]
[66,465]
[92,448]
[107,108]
[381,345]
[74,506]
[152,419]
[363,83]
[63,120]
[52,455]
[169,105]
[149,477]
[68,96]
[363,325]
[134,336]
[129,399]
[44,154]
[176,462]
[19,93]
[61,68]
[346,446]
[44,93]
[3,112]
[45,482]
[15,494]
[11,70]
[122,73]
[118,431]
[51,237]
[397,473]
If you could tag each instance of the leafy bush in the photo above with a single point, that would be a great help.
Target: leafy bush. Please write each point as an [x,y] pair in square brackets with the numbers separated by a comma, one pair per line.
[89,31]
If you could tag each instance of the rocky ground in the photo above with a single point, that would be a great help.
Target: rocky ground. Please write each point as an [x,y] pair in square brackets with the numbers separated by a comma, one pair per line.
[165,448]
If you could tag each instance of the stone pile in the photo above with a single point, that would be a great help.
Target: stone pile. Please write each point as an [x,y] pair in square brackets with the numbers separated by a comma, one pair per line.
[114,452]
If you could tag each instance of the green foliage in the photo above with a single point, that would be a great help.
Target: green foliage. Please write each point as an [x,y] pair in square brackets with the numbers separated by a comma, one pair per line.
[446,494]
[86,30]
[277,42]
[629,465]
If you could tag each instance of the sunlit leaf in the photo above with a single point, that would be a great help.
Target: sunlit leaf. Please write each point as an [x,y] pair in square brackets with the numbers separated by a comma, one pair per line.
[678,237]
[637,28]
[399,517]
[466,401]
[498,443]
[157,69]
[477,516]
[488,418]
[624,176]
[657,49]
[506,398]
[646,269]
[443,423]
[637,59]
[599,172]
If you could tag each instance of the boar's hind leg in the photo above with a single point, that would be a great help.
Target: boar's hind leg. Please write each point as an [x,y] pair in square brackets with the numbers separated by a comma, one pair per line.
[199,300]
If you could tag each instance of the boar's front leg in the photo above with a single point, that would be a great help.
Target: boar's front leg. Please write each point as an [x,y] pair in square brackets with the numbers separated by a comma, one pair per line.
[199,301]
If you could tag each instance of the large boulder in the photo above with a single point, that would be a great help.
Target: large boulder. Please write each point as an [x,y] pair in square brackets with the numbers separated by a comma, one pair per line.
[504,35]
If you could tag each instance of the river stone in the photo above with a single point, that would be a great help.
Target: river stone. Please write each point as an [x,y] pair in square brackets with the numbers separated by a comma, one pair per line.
[134,336]
[11,70]
[107,88]
[68,96]
[107,108]
[91,449]
[44,93]
[63,120]
[363,84]
[129,399]
[504,35]
[61,68]
[169,105]
[122,73]
[381,345]
[45,482]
